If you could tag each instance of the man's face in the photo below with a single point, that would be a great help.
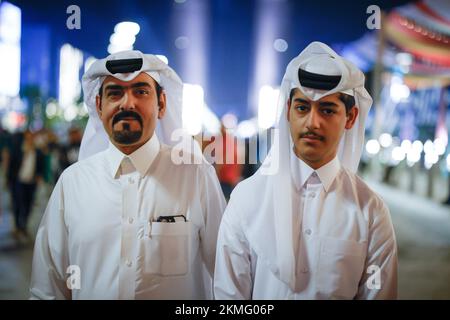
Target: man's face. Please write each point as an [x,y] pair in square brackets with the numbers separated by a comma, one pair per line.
[317,127]
[129,110]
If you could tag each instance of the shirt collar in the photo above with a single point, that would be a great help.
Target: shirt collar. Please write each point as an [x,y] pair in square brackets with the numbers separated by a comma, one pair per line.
[141,159]
[301,172]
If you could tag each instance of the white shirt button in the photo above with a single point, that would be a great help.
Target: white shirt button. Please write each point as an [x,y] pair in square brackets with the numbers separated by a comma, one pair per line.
[128,263]
[308,232]
[131,180]
[312,194]
[130,220]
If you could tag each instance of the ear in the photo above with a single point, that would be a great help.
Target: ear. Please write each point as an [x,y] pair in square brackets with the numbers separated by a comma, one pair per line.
[288,109]
[98,105]
[161,105]
[351,117]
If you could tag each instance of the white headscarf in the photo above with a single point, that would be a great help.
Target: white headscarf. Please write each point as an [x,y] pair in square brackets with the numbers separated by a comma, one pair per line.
[95,138]
[271,228]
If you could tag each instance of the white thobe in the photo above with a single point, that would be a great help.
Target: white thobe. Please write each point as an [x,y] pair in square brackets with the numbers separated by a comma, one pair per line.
[343,236]
[101,221]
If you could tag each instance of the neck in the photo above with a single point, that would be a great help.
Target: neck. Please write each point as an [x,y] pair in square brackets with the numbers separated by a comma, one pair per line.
[316,164]
[128,149]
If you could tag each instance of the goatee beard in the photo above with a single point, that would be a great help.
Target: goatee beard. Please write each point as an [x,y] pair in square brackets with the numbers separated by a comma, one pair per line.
[126,135]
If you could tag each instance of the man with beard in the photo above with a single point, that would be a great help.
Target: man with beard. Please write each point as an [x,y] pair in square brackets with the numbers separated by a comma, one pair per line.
[315,230]
[125,222]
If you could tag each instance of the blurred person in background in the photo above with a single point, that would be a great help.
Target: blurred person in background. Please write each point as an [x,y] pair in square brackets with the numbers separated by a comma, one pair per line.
[227,168]
[4,140]
[25,169]
[69,152]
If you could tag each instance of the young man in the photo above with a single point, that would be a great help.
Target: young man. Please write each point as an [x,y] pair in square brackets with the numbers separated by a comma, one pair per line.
[126,222]
[312,230]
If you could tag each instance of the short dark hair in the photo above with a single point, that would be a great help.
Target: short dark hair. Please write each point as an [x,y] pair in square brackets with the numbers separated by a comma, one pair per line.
[159,90]
[347,100]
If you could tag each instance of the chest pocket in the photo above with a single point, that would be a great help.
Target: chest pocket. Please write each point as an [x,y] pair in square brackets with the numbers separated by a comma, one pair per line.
[340,267]
[167,248]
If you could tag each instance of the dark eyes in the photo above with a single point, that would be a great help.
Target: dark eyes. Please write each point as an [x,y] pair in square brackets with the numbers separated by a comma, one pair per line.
[119,93]
[141,91]
[304,108]
[328,111]
[114,93]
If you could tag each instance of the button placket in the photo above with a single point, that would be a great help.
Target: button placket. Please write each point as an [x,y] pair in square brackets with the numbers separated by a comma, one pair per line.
[129,243]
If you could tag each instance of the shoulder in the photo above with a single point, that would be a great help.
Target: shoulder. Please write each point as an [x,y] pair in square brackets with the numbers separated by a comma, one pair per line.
[252,183]
[370,202]
[88,165]
[249,195]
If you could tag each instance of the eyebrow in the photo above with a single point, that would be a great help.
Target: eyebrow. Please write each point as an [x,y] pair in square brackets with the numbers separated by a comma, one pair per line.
[328,104]
[301,100]
[321,104]
[119,87]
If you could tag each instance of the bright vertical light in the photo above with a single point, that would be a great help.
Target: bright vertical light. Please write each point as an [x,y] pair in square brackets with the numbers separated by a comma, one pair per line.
[193,107]
[266,60]
[127,27]
[123,37]
[10,23]
[10,33]
[71,60]
[211,122]
[114,49]
[267,106]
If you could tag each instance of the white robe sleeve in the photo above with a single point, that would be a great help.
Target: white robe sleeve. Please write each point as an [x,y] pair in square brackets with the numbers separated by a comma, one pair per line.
[50,258]
[382,258]
[213,202]
[233,276]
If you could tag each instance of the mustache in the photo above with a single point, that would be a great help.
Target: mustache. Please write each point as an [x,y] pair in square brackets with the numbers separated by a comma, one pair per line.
[312,135]
[127,114]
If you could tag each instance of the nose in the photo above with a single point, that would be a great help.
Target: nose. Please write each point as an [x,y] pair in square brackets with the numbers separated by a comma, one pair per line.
[128,102]
[313,121]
